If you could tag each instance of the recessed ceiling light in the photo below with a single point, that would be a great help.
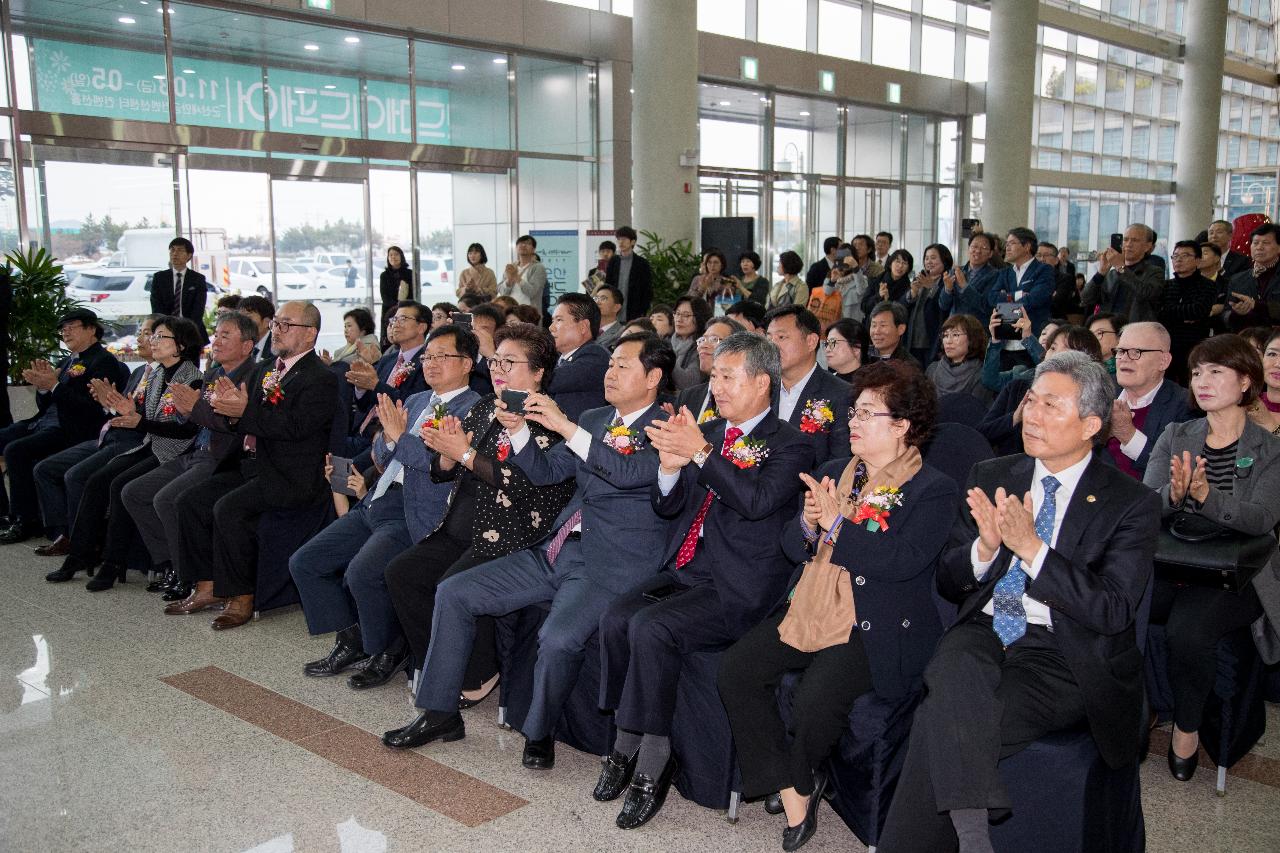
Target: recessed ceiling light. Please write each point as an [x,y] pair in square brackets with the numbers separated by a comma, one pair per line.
[330,86]
[157,76]
[311,47]
[352,39]
[126,20]
[458,66]
[499,60]
[725,103]
[188,71]
[804,112]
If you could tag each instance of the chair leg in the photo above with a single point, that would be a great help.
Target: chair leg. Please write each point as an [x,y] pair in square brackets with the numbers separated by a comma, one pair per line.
[1222,782]
[735,800]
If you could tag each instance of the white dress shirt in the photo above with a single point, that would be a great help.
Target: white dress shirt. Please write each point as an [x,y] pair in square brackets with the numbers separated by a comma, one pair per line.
[667,482]
[1133,447]
[1068,478]
[788,399]
[397,475]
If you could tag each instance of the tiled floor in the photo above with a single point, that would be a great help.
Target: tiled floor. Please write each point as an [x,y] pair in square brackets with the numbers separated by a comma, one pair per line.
[125,730]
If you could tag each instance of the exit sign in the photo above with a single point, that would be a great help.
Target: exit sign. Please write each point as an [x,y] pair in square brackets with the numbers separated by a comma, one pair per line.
[321,5]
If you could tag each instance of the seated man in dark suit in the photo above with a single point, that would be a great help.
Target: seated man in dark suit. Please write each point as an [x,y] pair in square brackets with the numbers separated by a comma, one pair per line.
[886,327]
[398,374]
[67,415]
[577,384]
[178,291]
[698,398]
[1050,560]
[61,478]
[1148,402]
[808,397]
[284,418]
[1233,263]
[486,319]
[604,541]
[339,572]
[728,487]
[1254,294]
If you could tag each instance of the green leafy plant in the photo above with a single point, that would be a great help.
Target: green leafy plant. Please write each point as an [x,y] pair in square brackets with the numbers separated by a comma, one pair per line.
[39,299]
[674,265]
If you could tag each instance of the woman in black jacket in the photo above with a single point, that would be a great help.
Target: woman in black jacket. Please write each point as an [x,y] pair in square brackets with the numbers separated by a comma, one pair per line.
[1185,306]
[395,284]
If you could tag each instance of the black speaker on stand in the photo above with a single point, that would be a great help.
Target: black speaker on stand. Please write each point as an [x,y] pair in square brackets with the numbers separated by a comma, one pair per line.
[732,235]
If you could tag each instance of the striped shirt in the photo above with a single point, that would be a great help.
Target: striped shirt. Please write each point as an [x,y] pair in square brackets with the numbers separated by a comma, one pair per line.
[1220,466]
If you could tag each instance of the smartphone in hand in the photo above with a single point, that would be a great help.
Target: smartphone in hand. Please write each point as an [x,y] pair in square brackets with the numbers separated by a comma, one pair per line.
[514,401]
[338,479]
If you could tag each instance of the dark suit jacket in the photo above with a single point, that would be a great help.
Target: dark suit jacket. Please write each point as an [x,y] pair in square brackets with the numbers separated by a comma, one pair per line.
[1092,581]
[79,415]
[1266,295]
[831,442]
[223,442]
[998,426]
[481,380]
[578,384]
[622,537]
[1170,406]
[292,434]
[425,501]
[195,292]
[1037,291]
[893,575]
[693,398]
[639,286]
[742,532]
[1235,263]
[413,383]
[817,273]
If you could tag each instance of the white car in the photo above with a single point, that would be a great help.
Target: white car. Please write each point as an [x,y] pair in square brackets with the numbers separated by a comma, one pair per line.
[120,296]
[253,275]
[437,283]
[339,286]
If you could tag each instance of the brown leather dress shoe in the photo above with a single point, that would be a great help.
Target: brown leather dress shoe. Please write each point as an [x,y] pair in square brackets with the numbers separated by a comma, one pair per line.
[201,599]
[59,547]
[238,611]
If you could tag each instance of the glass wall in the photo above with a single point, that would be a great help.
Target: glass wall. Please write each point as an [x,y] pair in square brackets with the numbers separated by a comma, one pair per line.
[319,147]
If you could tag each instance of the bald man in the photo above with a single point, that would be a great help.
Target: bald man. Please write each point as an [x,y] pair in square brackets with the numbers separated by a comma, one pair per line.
[1127,282]
[1148,402]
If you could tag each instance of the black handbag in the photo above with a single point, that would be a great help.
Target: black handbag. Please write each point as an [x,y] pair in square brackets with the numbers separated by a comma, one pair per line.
[1194,550]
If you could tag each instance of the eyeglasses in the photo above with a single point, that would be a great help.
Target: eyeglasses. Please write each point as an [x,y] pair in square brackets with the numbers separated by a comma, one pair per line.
[710,340]
[1183,256]
[683,315]
[862,415]
[833,343]
[156,336]
[504,365]
[403,318]
[953,336]
[432,359]
[1133,353]
[599,299]
[281,325]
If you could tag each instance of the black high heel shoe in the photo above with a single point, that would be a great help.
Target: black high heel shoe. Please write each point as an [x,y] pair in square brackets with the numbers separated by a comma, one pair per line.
[794,837]
[1183,768]
[106,577]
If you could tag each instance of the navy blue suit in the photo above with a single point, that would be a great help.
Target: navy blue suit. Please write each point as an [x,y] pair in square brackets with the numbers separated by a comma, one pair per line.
[577,384]
[620,542]
[340,571]
[832,440]
[736,574]
[1170,406]
[1037,287]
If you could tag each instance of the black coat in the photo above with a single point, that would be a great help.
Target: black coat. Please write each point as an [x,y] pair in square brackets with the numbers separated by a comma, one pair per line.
[79,415]
[1092,582]
[742,531]
[832,440]
[578,384]
[195,293]
[222,441]
[639,286]
[293,433]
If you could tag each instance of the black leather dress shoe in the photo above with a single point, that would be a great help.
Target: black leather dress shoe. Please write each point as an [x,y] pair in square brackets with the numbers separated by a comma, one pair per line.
[165,578]
[1183,768]
[177,592]
[615,775]
[17,532]
[378,670]
[773,804]
[645,797]
[342,655]
[539,754]
[794,837]
[67,570]
[424,730]
[105,577]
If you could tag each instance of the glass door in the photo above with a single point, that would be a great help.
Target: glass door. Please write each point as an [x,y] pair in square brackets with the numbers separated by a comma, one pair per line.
[456,209]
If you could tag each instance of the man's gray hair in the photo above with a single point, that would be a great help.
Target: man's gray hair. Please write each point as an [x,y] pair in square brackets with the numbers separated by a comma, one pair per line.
[243,322]
[1157,329]
[1097,388]
[762,355]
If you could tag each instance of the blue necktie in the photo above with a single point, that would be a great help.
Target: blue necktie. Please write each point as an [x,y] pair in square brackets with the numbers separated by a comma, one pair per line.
[1010,621]
[394,467]
[205,435]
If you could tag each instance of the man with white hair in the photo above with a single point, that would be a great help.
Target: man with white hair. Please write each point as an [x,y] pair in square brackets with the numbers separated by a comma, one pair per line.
[1049,563]
[1148,402]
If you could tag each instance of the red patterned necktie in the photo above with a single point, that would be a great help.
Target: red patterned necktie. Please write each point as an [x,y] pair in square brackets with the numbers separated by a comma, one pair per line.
[690,543]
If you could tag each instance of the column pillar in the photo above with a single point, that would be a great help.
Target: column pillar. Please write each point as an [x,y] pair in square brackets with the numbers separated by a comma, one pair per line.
[1200,102]
[664,118]
[1011,89]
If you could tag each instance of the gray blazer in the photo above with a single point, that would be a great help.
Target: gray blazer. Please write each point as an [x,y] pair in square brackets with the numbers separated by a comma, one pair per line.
[1251,507]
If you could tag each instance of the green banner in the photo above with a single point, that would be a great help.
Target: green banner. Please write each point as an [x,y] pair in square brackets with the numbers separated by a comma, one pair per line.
[129,84]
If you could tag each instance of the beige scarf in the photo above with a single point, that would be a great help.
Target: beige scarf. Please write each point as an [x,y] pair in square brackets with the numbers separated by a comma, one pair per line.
[822,611]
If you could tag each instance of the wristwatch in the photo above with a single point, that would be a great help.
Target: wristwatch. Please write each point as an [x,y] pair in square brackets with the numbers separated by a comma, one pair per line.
[701,456]
[467,454]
